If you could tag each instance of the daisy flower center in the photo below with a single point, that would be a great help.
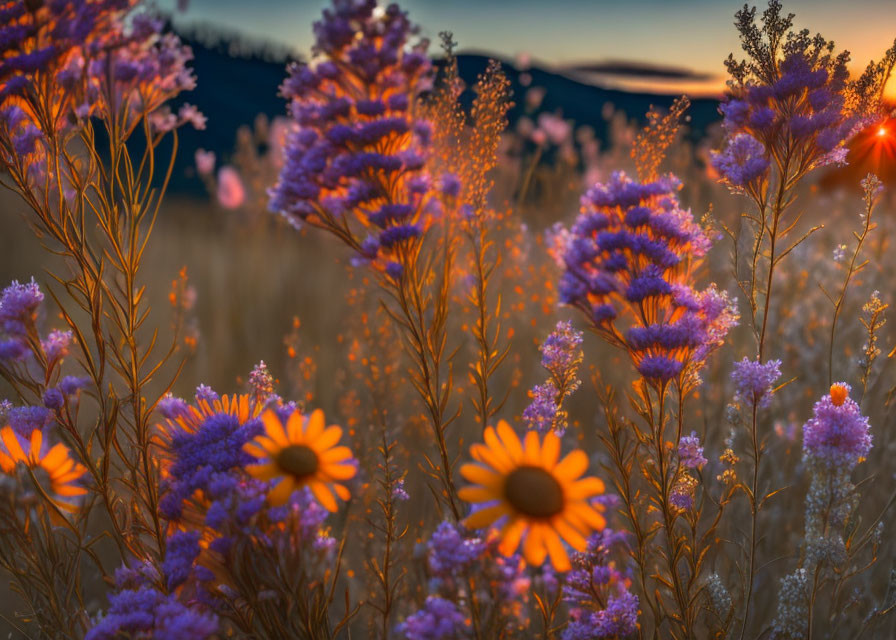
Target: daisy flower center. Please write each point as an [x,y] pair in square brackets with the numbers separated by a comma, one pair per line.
[298,460]
[534,492]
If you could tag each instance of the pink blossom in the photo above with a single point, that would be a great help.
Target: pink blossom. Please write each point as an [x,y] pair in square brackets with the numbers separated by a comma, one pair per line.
[231,192]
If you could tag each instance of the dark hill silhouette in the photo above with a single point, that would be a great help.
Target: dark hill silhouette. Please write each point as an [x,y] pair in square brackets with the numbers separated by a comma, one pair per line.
[233,89]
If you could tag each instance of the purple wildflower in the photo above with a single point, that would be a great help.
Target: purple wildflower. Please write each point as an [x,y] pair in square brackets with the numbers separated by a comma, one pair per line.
[633,250]
[18,307]
[754,381]
[600,604]
[171,407]
[690,451]
[205,393]
[561,353]
[399,492]
[144,611]
[336,159]
[53,399]
[261,382]
[793,92]
[56,345]
[439,619]
[542,412]
[682,494]
[742,162]
[70,385]
[215,447]
[838,435]
[450,552]
[25,420]
[181,552]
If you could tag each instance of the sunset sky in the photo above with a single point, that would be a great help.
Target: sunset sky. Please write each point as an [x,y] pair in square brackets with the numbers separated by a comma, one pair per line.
[693,34]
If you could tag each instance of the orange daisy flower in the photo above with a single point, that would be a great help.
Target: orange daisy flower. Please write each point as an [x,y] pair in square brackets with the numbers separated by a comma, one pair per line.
[301,453]
[543,501]
[61,470]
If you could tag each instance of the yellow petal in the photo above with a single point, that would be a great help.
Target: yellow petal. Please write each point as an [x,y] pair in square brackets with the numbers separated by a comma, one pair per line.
[254,450]
[69,490]
[559,558]
[68,477]
[511,441]
[63,467]
[572,466]
[584,514]
[531,448]
[327,439]
[267,471]
[585,488]
[280,494]
[294,427]
[485,517]
[480,475]
[64,506]
[340,471]
[274,428]
[55,457]
[6,463]
[575,539]
[324,496]
[550,450]
[12,444]
[511,536]
[336,454]
[315,426]
[495,458]
[268,445]
[37,440]
[342,492]
[477,494]
[533,546]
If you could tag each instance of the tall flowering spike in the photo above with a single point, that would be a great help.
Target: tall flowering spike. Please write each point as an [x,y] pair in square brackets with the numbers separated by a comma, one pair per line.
[629,262]
[358,149]
[792,98]
[61,62]
[561,356]
[837,437]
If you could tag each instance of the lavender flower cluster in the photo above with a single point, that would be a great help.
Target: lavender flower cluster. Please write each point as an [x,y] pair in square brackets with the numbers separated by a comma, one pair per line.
[455,562]
[561,356]
[139,608]
[754,381]
[601,605]
[795,101]
[632,253]
[838,435]
[106,58]
[358,150]
[24,353]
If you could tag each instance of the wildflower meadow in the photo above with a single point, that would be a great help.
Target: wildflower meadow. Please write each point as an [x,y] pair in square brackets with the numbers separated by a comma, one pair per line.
[422,358]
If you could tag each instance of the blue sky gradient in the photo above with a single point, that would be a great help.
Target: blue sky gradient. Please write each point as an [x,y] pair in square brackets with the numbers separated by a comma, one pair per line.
[695,34]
